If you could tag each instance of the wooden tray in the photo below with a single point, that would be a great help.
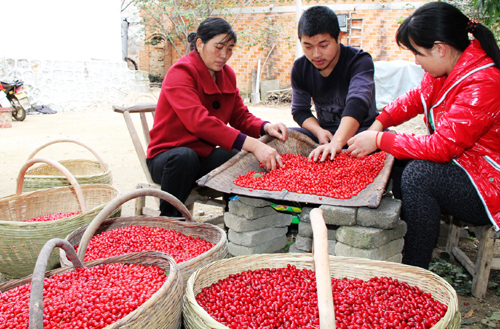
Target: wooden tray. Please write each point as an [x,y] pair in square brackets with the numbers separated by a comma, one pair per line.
[221,178]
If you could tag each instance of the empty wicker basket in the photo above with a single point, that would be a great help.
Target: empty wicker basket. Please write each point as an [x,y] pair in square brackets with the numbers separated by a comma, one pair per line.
[85,171]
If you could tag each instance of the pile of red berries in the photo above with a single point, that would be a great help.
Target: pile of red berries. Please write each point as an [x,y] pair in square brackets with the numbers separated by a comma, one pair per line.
[126,240]
[340,178]
[84,298]
[50,217]
[287,298]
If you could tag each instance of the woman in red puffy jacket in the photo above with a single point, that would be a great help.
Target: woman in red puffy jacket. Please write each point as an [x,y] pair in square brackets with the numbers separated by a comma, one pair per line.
[455,168]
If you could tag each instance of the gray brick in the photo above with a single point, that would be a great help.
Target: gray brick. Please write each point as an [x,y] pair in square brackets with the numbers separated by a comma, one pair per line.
[255,238]
[254,202]
[331,247]
[369,237]
[241,224]
[305,229]
[303,243]
[382,253]
[335,215]
[269,247]
[304,215]
[385,216]
[397,258]
[238,208]
[294,249]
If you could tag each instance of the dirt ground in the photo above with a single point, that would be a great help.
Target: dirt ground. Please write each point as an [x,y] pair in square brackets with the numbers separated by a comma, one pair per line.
[105,131]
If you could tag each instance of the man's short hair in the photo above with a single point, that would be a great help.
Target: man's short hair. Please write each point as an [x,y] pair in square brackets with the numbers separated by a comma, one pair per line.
[318,20]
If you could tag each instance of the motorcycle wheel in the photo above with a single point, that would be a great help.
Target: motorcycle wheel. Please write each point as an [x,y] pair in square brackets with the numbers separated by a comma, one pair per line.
[18,112]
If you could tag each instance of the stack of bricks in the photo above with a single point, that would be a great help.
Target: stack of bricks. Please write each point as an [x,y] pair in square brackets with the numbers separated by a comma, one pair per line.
[376,234]
[254,227]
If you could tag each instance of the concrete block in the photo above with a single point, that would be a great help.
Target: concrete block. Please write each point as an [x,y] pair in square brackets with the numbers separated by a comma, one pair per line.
[243,210]
[335,215]
[303,243]
[305,229]
[254,202]
[385,216]
[382,253]
[397,258]
[294,249]
[331,247]
[269,247]
[304,215]
[369,237]
[241,224]
[255,238]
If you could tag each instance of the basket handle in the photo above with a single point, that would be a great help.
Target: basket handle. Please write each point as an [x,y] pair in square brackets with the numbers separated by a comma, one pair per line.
[63,140]
[322,266]
[36,294]
[69,176]
[121,199]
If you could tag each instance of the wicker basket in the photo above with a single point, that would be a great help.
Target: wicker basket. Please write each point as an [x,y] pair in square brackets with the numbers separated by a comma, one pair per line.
[208,232]
[21,242]
[162,310]
[196,317]
[85,171]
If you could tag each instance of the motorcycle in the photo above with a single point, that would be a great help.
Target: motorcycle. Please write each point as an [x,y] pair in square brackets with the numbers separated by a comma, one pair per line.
[17,97]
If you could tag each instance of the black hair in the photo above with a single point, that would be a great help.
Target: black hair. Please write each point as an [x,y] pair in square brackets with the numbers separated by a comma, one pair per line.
[318,20]
[209,28]
[440,21]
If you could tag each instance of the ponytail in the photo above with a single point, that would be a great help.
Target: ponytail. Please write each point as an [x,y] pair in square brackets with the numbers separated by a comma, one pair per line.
[488,42]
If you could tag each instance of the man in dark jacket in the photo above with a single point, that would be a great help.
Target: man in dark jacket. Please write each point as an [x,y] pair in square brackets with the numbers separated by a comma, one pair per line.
[338,79]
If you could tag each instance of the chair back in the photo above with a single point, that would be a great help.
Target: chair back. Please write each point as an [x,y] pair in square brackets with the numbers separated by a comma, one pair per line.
[142,109]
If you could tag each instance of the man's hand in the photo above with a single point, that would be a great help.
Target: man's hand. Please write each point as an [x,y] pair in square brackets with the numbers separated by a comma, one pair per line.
[324,136]
[322,151]
[277,130]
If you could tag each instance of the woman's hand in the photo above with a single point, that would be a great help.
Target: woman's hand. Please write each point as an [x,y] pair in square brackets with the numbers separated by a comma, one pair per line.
[363,143]
[277,130]
[322,151]
[324,136]
[268,156]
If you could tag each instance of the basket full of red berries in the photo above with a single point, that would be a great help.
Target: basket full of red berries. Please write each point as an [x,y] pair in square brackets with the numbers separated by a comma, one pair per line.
[192,244]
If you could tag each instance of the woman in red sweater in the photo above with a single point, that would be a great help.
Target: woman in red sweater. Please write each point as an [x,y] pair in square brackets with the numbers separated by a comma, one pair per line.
[199,98]
[455,168]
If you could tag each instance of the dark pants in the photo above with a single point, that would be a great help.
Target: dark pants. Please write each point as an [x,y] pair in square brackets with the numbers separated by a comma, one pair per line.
[178,169]
[429,189]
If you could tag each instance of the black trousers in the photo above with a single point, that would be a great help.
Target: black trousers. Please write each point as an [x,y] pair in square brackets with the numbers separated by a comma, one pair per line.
[178,169]
[428,189]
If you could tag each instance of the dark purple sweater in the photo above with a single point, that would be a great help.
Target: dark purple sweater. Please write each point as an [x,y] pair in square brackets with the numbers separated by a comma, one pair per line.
[349,90]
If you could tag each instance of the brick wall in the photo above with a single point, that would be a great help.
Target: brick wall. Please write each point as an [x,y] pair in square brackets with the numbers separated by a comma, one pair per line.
[379,25]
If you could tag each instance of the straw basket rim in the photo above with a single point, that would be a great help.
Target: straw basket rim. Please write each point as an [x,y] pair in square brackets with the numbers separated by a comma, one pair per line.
[24,195]
[196,317]
[218,250]
[105,171]
[170,291]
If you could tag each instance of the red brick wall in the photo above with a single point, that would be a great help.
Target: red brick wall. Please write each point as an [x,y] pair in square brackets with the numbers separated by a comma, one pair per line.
[379,30]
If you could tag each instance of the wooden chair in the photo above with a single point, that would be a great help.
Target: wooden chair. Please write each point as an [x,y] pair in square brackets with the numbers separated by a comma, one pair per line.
[485,261]
[198,194]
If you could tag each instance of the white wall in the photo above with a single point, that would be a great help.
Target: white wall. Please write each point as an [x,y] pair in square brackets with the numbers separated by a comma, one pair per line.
[61,29]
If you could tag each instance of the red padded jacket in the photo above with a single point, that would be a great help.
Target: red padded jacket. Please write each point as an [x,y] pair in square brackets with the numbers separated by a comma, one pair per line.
[462,115]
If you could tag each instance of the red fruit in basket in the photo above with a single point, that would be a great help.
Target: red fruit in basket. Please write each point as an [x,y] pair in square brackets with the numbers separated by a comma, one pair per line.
[287,298]
[126,240]
[84,298]
[50,217]
[340,178]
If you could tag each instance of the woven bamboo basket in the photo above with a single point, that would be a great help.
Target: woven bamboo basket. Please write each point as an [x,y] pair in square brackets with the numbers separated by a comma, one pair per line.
[208,232]
[20,242]
[162,310]
[85,171]
[196,317]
